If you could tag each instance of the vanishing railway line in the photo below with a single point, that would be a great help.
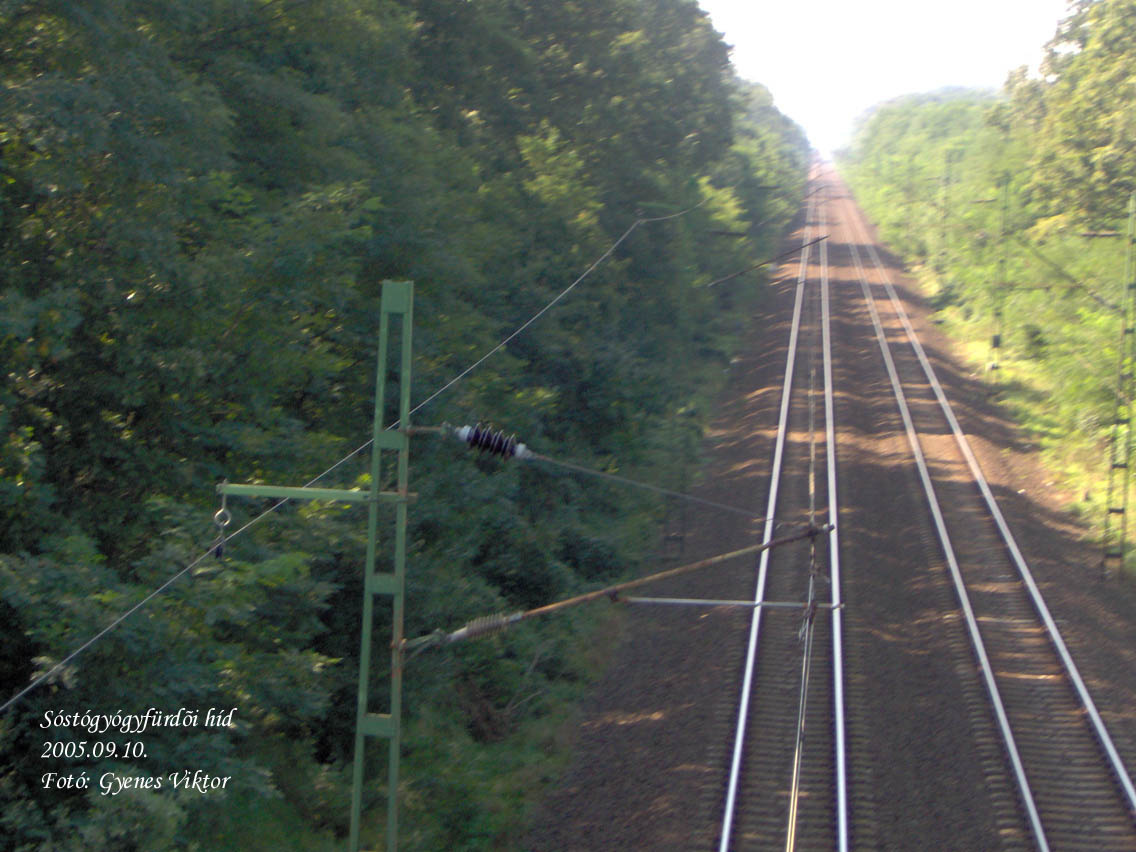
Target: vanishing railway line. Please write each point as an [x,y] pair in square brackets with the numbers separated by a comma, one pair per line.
[798,777]
[790,727]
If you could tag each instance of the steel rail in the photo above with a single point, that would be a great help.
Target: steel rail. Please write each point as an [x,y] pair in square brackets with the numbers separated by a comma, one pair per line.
[1099,728]
[952,562]
[763,566]
[836,600]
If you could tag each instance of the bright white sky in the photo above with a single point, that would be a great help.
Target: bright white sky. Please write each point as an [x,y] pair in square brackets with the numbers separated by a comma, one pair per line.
[827,61]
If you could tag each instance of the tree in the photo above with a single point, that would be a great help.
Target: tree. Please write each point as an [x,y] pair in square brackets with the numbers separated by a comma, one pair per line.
[1085,165]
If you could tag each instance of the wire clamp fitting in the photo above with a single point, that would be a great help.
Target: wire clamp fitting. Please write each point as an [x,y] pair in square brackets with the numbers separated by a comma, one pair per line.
[810,611]
[423,643]
[813,530]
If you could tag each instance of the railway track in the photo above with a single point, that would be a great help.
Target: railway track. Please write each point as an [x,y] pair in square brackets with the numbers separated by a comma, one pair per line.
[789,739]
[976,665]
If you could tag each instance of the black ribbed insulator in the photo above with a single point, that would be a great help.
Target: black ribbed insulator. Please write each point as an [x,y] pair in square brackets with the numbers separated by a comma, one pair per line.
[494,443]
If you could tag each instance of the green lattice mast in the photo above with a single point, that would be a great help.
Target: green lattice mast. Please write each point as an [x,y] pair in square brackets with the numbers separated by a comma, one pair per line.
[1120,449]
[397,301]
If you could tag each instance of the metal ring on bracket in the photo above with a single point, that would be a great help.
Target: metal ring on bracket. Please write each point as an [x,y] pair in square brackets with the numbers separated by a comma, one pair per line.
[222,519]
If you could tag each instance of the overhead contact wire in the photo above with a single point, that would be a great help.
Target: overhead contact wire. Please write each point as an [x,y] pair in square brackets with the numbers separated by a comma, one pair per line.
[808,626]
[773,259]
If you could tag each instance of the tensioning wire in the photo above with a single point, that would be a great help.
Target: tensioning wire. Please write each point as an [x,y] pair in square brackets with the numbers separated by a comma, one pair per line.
[499,444]
[623,480]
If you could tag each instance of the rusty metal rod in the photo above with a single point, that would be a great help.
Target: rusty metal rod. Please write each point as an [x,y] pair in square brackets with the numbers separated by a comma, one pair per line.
[496,623]
[708,602]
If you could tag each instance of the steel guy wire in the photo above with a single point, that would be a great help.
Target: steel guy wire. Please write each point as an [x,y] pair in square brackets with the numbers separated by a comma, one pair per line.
[595,264]
[553,302]
[769,219]
[121,618]
[225,539]
[125,615]
[788,253]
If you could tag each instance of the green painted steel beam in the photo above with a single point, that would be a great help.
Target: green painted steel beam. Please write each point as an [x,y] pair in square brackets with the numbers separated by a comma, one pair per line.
[301,493]
[381,583]
[392,439]
[378,725]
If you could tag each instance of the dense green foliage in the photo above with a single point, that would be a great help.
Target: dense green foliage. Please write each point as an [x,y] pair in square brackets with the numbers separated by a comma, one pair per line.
[996,197]
[199,200]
